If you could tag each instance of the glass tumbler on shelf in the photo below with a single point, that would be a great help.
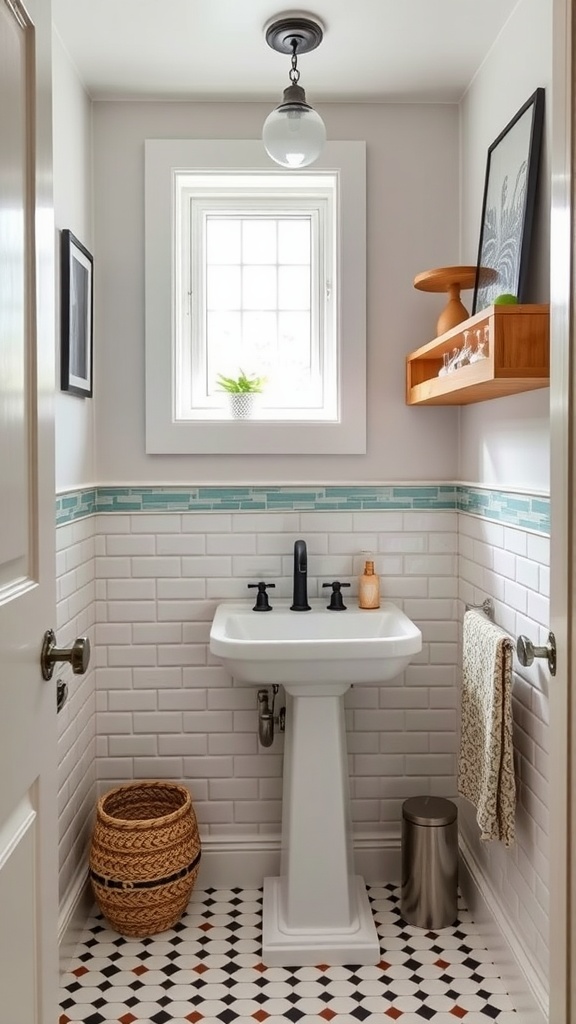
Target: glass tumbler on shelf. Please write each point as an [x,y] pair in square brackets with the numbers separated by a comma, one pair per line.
[481,350]
[445,364]
[453,360]
[465,352]
[477,350]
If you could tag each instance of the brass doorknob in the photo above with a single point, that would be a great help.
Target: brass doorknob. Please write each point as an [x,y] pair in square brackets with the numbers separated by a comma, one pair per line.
[78,655]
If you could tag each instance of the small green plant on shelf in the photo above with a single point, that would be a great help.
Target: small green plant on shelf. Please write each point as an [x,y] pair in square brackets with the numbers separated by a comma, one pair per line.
[242,384]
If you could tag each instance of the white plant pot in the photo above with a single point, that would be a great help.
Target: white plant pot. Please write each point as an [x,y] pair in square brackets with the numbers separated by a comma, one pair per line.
[242,404]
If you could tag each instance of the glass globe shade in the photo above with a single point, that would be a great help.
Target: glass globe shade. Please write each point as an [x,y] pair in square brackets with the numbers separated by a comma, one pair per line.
[293,135]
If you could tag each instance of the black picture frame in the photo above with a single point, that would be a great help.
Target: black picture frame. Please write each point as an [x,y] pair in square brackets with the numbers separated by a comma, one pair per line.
[76,316]
[508,206]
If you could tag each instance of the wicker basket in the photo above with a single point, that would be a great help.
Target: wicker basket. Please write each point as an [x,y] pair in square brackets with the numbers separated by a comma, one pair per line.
[144,856]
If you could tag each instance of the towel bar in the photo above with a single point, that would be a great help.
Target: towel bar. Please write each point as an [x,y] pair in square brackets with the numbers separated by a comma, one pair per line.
[487,607]
[526,651]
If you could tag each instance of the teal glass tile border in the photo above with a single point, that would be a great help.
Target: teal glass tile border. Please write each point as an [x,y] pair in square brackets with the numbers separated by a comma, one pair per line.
[75,505]
[524,511]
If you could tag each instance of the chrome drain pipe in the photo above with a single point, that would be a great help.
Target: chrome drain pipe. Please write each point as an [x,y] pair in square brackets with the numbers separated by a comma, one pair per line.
[266,718]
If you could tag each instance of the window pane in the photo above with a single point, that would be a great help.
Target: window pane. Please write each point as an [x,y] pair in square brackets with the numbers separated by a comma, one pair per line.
[223,344]
[223,287]
[259,288]
[294,241]
[294,287]
[259,241]
[259,340]
[222,240]
[294,338]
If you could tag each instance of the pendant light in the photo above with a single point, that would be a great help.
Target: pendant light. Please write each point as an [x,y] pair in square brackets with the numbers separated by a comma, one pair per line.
[294,133]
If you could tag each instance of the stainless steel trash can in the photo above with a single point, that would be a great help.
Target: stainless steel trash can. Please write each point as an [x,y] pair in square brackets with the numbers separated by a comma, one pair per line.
[429,896]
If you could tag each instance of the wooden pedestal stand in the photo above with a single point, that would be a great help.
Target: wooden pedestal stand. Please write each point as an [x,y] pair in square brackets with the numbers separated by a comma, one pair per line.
[451,280]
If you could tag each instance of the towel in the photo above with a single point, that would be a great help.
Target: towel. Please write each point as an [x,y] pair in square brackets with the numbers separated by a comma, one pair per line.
[486,761]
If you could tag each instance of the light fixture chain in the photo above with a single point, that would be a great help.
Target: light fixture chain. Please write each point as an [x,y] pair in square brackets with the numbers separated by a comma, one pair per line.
[294,74]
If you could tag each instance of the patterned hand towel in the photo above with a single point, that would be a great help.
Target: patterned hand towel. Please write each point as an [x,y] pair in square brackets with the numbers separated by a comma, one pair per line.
[486,762]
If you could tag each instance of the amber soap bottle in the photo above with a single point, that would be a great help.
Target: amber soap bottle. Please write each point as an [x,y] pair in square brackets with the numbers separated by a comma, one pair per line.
[369,588]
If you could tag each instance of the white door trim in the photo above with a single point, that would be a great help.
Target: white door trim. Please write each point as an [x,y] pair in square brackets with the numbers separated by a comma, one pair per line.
[562,970]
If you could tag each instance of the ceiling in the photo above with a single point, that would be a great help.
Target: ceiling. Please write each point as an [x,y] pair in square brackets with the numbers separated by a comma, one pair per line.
[373,50]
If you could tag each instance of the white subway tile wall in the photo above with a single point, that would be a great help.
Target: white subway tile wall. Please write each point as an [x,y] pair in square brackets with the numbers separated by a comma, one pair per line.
[166,709]
[512,567]
[75,616]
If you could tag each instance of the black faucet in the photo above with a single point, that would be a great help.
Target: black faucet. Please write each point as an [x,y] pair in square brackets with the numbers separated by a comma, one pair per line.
[300,596]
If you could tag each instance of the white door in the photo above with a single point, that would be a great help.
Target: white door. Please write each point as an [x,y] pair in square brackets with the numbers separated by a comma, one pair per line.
[28,825]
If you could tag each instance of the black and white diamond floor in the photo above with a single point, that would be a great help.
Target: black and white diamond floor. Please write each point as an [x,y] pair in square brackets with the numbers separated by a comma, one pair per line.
[208,969]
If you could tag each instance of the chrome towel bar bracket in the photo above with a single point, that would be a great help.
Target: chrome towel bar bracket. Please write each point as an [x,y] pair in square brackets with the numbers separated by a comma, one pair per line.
[487,607]
[527,651]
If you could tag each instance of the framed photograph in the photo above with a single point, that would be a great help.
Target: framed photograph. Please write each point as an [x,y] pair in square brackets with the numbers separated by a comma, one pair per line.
[508,206]
[76,316]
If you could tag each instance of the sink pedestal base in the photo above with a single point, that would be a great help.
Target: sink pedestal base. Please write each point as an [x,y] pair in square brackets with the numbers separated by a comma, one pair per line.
[284,947]
[318,910]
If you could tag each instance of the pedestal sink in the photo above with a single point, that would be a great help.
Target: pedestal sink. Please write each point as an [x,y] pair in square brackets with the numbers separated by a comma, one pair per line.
[317,911]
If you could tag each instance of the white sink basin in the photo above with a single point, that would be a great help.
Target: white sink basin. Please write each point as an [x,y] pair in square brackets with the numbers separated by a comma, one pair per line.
[300,649]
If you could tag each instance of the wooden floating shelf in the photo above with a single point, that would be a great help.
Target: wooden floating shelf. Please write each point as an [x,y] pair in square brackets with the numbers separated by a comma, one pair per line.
[518,359]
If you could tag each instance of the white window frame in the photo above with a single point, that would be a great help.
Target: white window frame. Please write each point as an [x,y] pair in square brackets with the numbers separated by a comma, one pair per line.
[165,433]
[198,195]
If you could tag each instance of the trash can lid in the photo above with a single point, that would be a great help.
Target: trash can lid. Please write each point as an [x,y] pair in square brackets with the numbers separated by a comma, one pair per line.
[429,810]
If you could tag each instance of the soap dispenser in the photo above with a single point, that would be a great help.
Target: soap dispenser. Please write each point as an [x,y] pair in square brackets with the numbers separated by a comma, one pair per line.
[369,587]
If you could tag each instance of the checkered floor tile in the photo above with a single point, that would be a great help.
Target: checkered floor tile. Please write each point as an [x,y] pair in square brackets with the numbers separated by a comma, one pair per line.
[208,970]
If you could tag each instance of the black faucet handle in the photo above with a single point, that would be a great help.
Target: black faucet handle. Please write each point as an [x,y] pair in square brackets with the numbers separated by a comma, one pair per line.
[336,602]
[262,602]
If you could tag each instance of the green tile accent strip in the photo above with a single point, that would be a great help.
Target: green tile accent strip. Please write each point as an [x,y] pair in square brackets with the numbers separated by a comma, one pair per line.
[527,511]
[75,505]
[530,512]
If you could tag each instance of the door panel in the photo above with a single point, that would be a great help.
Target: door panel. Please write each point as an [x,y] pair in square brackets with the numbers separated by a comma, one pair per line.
[28,823]
[20,913]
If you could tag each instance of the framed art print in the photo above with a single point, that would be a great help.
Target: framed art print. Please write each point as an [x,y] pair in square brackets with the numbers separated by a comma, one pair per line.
[508,206]
[76,316]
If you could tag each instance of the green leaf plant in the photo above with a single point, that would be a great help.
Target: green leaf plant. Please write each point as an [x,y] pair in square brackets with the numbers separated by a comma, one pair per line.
[241,384]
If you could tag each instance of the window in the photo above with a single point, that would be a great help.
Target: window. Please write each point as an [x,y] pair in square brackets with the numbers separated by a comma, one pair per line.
[250,268]
[255,291]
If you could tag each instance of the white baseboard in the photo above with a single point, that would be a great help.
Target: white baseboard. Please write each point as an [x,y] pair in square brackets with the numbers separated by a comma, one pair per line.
[520,975]
[246,862]
[74,912]
[228,861]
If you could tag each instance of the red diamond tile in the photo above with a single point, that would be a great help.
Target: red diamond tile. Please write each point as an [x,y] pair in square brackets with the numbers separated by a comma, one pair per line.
[63,1019]
[458,1011]
[384,965]
[260,967]
[141,969]
[194,1017]
[327,1014]
[322,967]
[393,1012]
[441,963]
[80,971]
[260,1015]
[205,927]
[128,1018]
[200,968]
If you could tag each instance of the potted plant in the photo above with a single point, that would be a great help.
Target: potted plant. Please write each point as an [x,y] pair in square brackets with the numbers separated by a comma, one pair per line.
[241,390]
